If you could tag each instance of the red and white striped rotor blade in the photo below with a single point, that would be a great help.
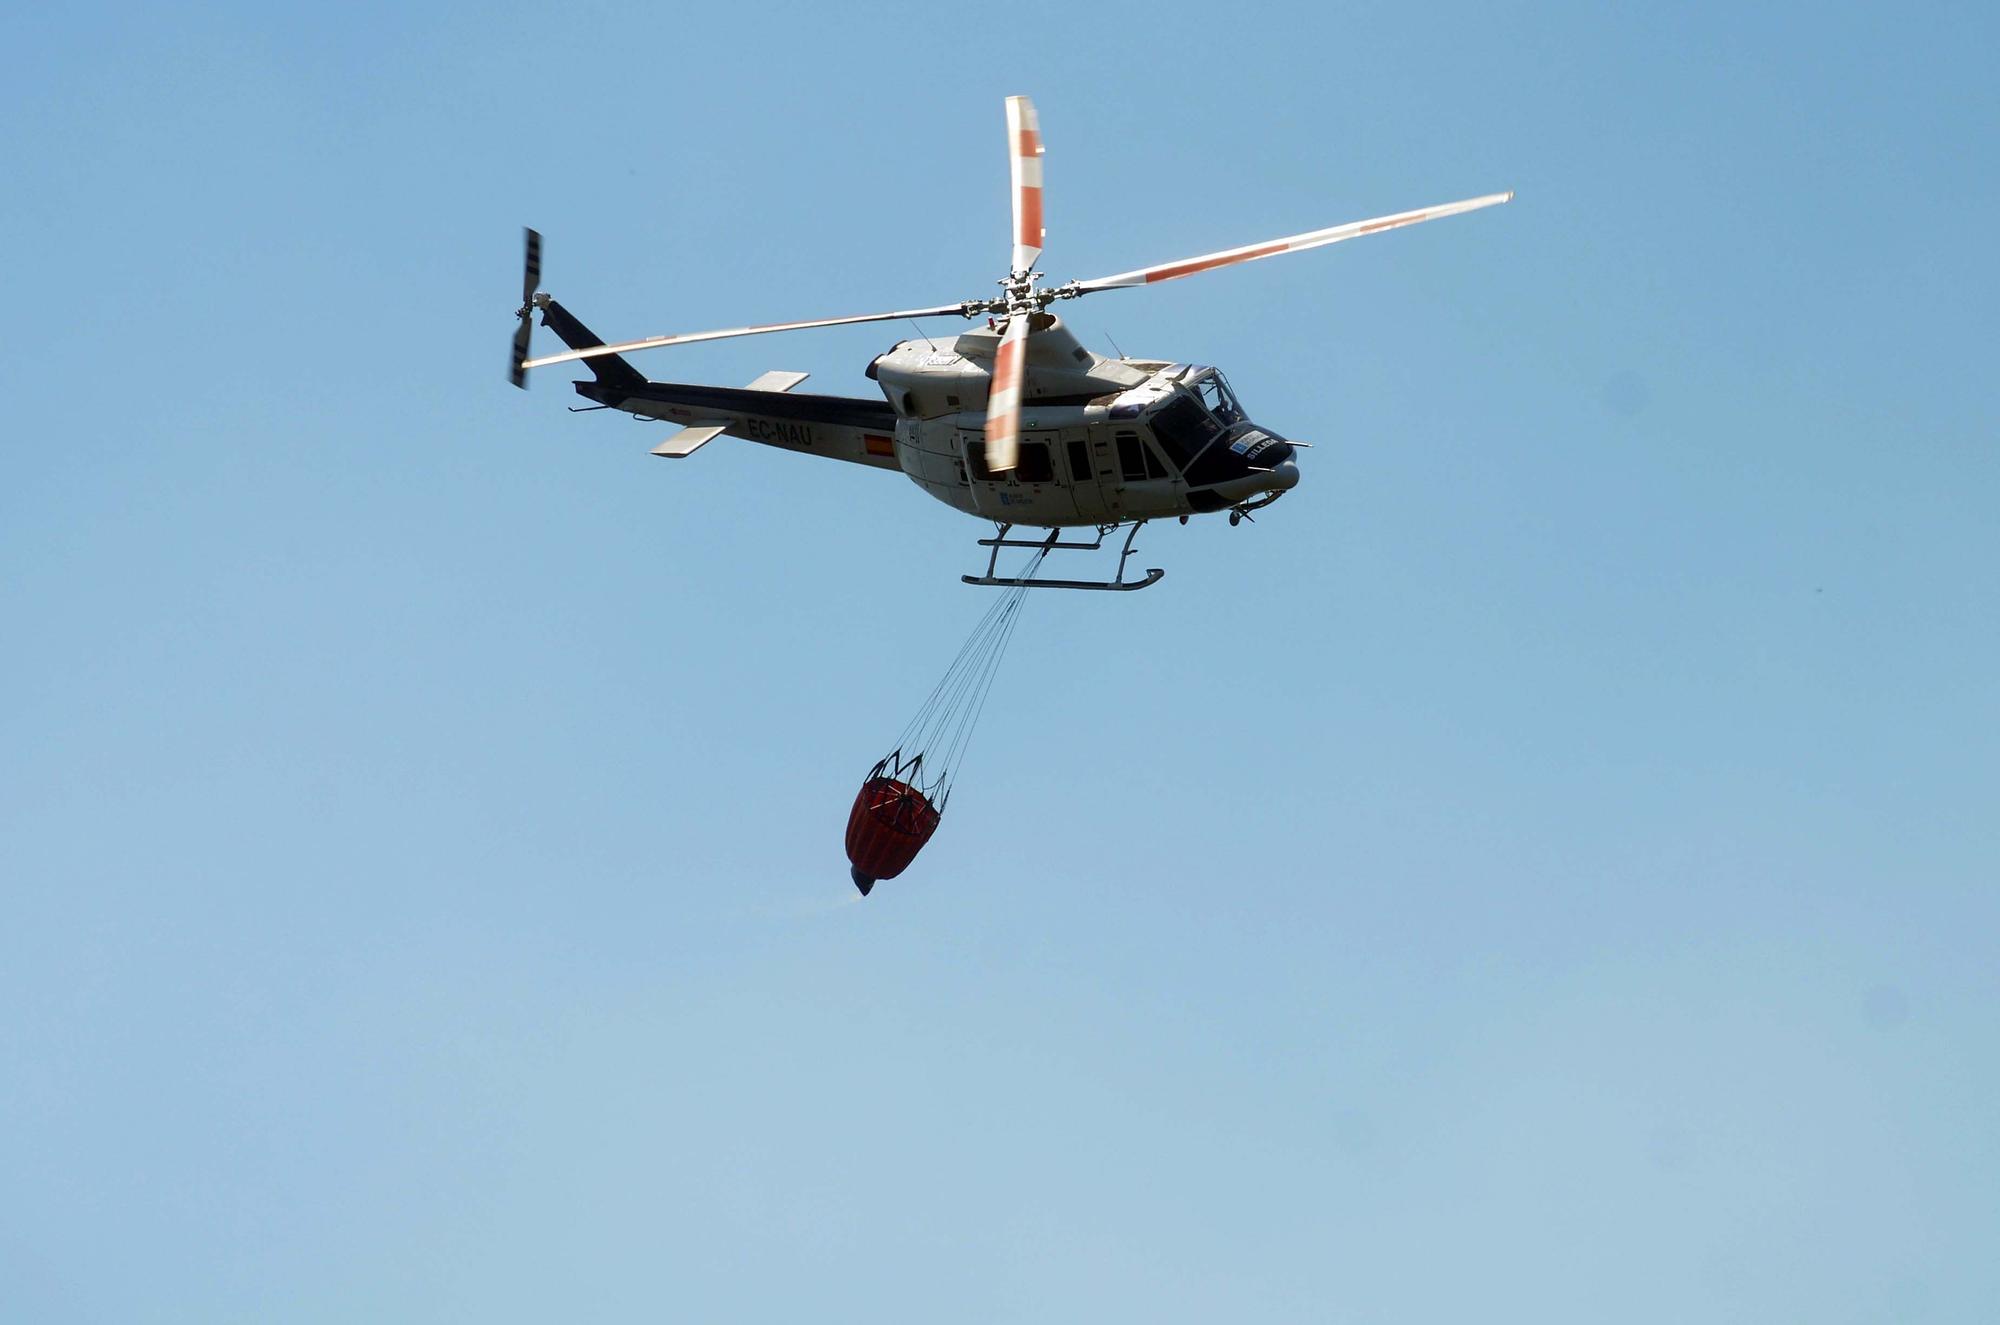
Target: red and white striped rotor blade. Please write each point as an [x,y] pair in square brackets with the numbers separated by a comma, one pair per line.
[1003,403]
[689,338]
[1229,257]
[1024,158]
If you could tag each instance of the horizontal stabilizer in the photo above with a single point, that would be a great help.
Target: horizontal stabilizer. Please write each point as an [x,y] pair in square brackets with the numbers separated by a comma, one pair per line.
[687,441]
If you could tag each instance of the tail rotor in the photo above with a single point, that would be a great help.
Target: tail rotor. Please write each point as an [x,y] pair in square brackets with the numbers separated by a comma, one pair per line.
[531,280]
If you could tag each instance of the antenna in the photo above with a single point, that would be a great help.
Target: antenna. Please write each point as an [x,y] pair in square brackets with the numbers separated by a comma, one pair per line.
[926,335]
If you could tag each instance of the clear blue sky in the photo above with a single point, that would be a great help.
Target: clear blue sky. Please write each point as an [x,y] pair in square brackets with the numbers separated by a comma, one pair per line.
[1544,870]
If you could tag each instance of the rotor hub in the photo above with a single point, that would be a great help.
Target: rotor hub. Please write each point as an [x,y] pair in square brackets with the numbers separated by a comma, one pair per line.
[1019,294]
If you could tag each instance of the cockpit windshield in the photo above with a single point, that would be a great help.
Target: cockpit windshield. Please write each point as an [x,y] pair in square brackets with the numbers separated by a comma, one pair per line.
[1194,415]
[1215,394]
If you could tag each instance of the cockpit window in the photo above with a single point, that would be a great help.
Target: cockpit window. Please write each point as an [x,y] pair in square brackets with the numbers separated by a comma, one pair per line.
[1184,427]
[1221,401]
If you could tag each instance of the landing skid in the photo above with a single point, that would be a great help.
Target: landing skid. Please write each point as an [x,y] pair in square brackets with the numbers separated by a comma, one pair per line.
[1053,543]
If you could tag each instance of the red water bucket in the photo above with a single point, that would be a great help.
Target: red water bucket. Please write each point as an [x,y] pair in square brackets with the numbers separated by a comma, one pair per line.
[888,826]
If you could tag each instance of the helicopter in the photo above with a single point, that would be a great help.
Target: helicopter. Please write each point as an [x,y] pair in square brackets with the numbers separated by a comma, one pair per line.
[1015,422]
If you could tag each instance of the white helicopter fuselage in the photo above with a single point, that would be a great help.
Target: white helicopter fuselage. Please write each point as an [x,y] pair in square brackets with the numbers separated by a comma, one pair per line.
[1089,452]
[1102,442]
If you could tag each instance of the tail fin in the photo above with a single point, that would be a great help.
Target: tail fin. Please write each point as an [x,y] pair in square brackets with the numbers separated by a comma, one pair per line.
[611,370]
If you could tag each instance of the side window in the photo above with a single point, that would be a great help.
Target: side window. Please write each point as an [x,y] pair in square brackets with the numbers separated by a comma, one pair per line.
[1079,462]
[975,458]
[1034,465]
[1131,456]
[1154,469]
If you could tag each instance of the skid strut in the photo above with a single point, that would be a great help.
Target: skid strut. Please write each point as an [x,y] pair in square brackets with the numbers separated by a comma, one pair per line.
[1054,543]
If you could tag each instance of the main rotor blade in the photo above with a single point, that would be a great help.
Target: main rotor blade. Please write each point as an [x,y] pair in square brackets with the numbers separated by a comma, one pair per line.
[1003,402]
[688,338]
[1229,257]
[1024,160]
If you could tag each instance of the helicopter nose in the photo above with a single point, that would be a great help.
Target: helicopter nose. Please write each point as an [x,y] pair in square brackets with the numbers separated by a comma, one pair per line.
[1284,476]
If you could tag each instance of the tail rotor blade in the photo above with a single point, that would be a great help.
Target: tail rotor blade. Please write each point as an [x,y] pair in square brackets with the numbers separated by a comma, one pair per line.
[1024,158]
[531,282]
[1003,403]
[517,372]
[531,265]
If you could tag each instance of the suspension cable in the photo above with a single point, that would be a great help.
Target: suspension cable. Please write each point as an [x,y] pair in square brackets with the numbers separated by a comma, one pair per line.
[936,738]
